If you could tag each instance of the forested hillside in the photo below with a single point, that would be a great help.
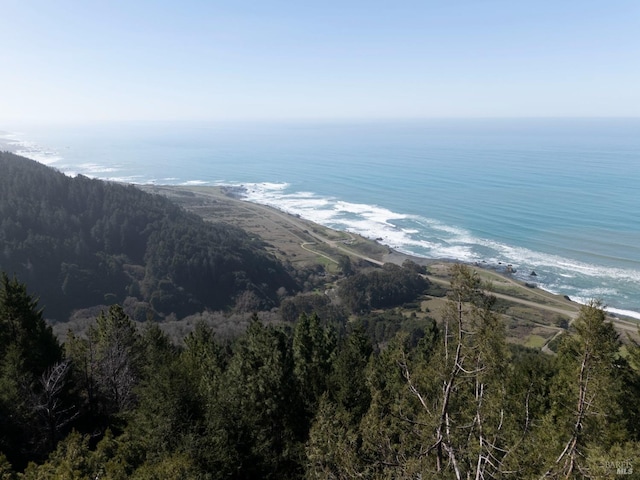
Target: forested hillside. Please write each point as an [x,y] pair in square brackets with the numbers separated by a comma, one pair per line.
[81,242]
[306,401]
[352,381]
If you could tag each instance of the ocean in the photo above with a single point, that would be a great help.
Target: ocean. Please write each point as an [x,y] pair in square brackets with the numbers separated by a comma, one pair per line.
[558,197]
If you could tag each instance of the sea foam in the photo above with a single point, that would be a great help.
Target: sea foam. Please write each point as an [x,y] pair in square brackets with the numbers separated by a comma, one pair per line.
[433,239]
[562,206]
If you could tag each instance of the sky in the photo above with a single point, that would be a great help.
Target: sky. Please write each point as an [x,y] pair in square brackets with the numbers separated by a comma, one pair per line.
[123,60]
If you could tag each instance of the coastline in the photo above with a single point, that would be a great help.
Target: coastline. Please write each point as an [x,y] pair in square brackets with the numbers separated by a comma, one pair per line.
[287,235]
[408,236]
[316,254]
[530,312]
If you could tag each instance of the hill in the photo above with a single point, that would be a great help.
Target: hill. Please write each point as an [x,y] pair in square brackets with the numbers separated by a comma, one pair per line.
[363,372]
[81,242]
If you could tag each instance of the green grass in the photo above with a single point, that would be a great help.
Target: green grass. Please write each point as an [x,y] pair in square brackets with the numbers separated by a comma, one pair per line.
[535,341]
[329,265]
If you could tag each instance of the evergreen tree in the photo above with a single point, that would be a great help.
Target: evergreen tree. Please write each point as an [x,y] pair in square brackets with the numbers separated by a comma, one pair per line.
[6,470]
[393,428]
[262,405]
[333,449]
[442,411]
[348,383]
[166,425]
[28,349]
[529,375]
[586,395]
[106,367]
[23,326]
[118,356]
[70,461]
[313,350]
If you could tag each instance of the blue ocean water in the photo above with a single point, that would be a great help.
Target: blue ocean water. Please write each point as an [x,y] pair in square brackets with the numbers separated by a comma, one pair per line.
[558,197]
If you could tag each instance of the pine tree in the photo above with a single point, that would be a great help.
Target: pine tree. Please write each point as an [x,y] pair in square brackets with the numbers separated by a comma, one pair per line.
[348,383]
[262,409]
[169,406]
[454,413]
[586,395]
[333,449]
[28,349]
[22,325]
[313,351]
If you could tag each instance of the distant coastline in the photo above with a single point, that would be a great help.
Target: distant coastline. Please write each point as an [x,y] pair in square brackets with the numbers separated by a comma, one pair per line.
[385,253]
[15,143]
[539,199]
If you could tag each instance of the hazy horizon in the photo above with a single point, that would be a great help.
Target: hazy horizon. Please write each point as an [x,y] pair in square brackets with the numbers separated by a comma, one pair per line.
[74,62]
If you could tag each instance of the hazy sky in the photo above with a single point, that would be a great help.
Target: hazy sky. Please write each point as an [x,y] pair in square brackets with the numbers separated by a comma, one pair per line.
[90,60]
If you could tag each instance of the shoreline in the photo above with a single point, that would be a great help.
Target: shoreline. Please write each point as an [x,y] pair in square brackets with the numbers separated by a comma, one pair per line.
[394,254]
[578,279]
[200,199]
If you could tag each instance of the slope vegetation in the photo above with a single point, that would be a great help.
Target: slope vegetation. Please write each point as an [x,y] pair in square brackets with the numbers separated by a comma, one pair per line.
[81,242]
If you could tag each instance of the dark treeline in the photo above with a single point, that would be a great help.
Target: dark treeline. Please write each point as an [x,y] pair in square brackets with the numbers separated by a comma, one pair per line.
[382,288]
[304,400]
[81,242]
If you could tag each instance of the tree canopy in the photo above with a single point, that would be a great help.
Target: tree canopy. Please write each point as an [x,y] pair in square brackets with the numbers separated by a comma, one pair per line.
[82,242]
[311,402]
